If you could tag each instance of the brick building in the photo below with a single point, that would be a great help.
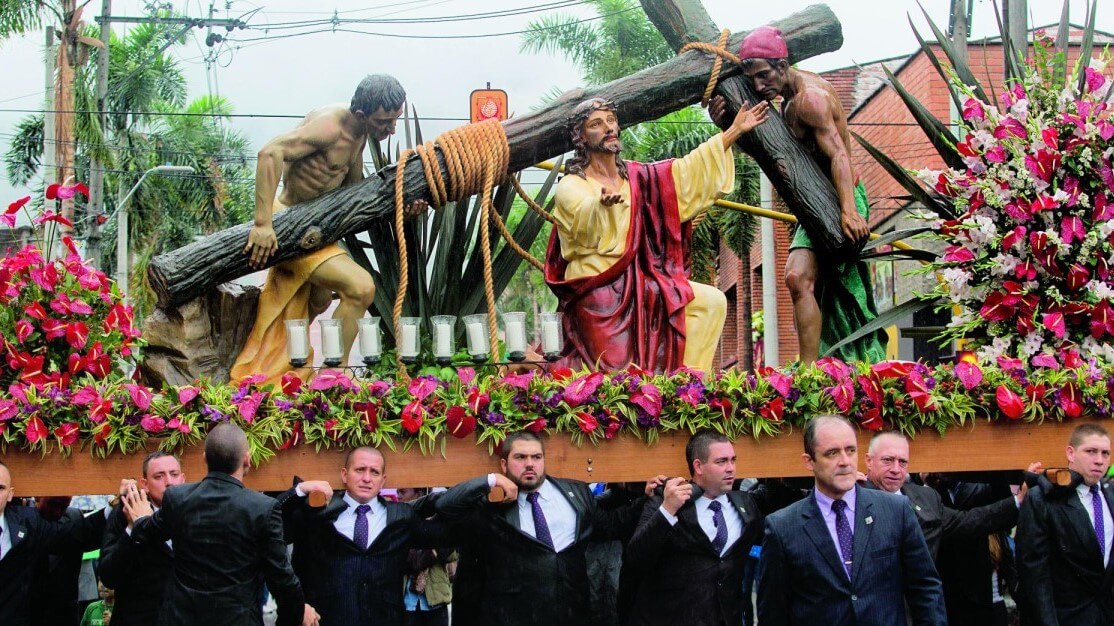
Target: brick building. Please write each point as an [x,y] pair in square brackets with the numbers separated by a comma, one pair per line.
[878,114]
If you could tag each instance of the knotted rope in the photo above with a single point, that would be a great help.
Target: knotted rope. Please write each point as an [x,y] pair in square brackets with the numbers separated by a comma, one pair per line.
[720,51]
[476,155]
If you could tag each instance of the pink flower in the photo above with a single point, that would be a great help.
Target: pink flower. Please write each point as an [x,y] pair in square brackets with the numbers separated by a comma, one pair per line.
[833,367]
[958,254]
[973,111]
[187,394]
[86,395]
[843,394]
[580,389]
[34,429]
[918,391]
[141,396]
[23,330]
[648,397]
[51,216]
[249,406]
[152,424]
[466,375]
[519,381]
[1095,79]
[586,422]
[1045,360]
[969,374]
[1071,229]
[412,417]
[422,386]
[1054,323]
[328,379]
[782,383]
[67,433]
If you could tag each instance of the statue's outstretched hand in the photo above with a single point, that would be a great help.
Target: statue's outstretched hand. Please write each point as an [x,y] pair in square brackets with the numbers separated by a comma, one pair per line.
[608,197]
[262,244]
[750,116]
[854,226]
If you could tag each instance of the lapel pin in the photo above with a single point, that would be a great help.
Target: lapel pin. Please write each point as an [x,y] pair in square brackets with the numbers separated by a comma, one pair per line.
[20,535]
[917,506]
[869,521]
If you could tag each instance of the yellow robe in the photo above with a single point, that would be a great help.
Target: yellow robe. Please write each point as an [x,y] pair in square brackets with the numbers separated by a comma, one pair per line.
[593,236]
[285,296]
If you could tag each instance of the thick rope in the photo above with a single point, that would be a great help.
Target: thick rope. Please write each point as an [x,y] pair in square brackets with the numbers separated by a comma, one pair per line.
[721,53]
[475,156]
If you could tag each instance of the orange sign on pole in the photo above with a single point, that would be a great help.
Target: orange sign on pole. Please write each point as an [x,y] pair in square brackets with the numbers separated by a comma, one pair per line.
[488,104]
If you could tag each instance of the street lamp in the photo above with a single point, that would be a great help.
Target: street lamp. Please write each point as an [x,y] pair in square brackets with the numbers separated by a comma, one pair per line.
[122,222]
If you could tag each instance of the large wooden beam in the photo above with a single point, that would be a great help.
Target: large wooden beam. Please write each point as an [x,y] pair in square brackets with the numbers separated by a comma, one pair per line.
[179,276]
[806,189]
[980,447]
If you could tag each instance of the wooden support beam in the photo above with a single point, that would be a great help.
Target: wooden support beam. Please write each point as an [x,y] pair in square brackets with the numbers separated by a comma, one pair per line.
[980,447]
[192,270]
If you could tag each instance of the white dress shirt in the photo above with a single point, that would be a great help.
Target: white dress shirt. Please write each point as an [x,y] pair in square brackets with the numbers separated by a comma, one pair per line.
[376,519]
[705,517]
[1107,522]
[558,511]
[6,538]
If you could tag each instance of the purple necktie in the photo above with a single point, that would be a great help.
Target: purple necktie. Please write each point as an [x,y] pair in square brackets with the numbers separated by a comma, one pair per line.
[359,535]
[541,528]
[1,546]
[843,532]
[721,527]
[1100,530]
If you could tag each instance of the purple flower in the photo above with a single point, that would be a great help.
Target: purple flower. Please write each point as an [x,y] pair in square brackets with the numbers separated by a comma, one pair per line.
[283,405]
[493,417]
[212,414]
[692,393]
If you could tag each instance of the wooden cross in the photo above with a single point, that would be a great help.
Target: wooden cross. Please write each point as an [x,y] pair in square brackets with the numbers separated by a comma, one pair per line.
[193,270]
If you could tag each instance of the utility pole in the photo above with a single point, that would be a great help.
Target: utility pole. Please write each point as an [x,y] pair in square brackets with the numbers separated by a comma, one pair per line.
[50,169]
[96,177]
[957,27]
[1014,17]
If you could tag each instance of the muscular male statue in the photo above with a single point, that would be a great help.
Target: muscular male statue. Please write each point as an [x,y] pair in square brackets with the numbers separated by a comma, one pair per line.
[617,257]
[323,153]
[832,303]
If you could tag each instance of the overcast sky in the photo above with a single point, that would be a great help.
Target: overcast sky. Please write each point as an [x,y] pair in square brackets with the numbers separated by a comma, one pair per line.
[289,76]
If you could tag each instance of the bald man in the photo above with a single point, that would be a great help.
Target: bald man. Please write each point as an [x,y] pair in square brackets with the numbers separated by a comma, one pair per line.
[351,554]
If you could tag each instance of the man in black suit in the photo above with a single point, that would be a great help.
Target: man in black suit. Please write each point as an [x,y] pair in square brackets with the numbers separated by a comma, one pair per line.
[845,555]
[54,580]
[351,554]
[227,540]
[695,545]
[139,573]
[1063,541]
[887,468]
[25,538]
[528,550]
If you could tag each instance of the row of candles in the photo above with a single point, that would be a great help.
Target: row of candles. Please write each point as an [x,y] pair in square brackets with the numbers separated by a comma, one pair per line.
[409,339]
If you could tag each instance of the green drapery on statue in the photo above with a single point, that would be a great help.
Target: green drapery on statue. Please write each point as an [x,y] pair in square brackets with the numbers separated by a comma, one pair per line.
[846,299]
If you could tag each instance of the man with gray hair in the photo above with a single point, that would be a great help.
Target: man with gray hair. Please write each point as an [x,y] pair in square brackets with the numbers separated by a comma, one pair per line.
[845,555]
[227,541]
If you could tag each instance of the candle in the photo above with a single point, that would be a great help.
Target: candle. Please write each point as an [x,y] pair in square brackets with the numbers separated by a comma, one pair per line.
[477,338]
[551,336]
[369,337]
[330,339]
[408,347]
[442,340]
[516,335]
[297,343]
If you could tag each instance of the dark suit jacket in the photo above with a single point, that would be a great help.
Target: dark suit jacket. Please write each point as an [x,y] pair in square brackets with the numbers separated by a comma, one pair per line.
[138,573]
[803,582]
[523,580]
[227,540]
[941,523]
[1061,573]
[677,576]
[344,583]
[965,564]
[54,584]
[32,538]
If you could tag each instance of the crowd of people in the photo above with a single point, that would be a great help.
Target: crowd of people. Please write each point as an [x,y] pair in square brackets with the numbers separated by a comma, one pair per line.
[518,546]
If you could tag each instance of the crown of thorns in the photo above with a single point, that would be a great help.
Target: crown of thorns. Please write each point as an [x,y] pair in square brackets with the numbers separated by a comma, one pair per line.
[597,104]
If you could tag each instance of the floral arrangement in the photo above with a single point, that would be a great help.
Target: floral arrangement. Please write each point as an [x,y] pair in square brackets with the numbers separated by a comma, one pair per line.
[1028,264]
[59,318]
[105,415]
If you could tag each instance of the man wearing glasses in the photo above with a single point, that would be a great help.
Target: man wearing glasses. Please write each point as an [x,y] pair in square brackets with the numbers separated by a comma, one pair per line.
[887,467]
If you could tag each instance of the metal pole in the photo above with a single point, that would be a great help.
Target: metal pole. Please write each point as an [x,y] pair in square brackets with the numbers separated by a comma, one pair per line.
[96,175]
[50,171]
[771,274]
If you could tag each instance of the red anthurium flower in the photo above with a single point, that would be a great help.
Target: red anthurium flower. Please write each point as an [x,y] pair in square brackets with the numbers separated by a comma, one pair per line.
[67,433]
[295,438]
[23,330]
[17,205]
[1102,320]
[35,429]
[291,383]
[998,307]
[1035,393]
[1103,209]
[774,410]
[100,436]
[1009,403]
[478,401]
[560,373]
[77,333]
[1051,138]
[1025,270]
[918,392]
[412,417]
[1071,401]
[100,410]
[1071,229]
[51,216]
[892,369]
[140,395]
[969,374]
[32,372]
[1071,358]
[586,422]
[369,414]
[460,423]
[35,310]
[612,429]
[872,389]
[52,191]
[332,428]
[958,254]
[872,418]
[843,394]
[1014,237]
[537,425]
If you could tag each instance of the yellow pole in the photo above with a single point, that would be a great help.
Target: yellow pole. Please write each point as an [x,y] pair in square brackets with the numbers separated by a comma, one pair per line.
[760,212]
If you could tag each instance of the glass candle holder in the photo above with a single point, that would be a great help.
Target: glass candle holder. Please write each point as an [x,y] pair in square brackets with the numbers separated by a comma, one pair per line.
[331,348]
[408,339]
[475,327]
[553,340]
[297,342]
[514,330]
[443,338]
[371,343]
